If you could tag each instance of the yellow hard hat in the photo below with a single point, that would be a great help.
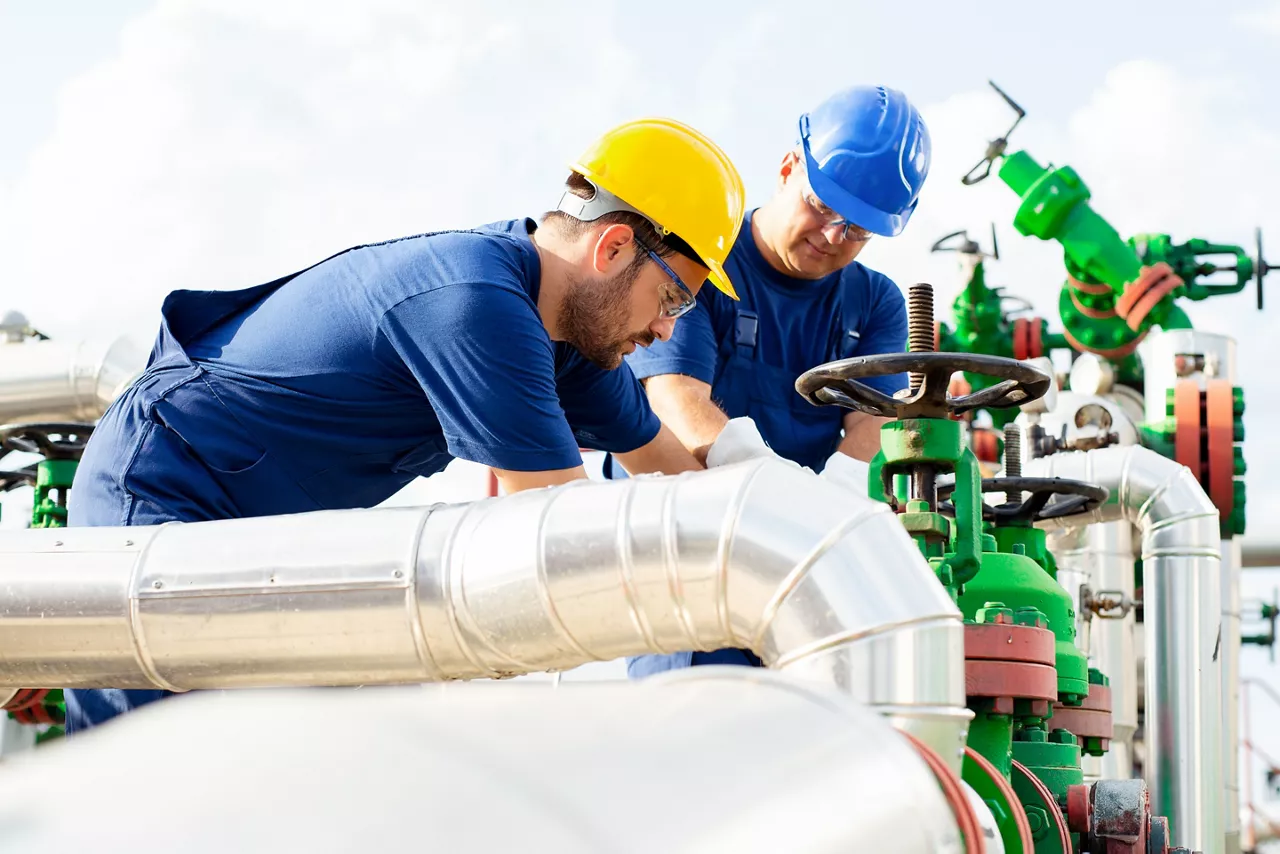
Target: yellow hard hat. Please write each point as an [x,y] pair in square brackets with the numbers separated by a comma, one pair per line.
[676,177]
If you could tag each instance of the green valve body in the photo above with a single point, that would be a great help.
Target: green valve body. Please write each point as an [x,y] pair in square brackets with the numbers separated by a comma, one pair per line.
[1022,575]
[953,547]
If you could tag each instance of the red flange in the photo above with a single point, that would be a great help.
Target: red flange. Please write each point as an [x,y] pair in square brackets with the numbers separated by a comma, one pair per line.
[1005,642]
[1219,422]
[1050,804]
[1009,795]
[953,791]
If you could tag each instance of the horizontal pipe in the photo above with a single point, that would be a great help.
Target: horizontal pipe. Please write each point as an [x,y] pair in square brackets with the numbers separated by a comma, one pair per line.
[771,763]
[62,380]
[1182,626]
[817,581]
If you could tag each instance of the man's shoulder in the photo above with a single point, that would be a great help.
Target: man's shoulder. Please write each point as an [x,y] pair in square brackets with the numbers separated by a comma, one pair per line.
[487,258]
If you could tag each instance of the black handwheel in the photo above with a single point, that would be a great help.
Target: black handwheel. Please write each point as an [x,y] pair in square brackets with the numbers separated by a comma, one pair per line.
[53,441]
[14,479]
[836,384]
[1047,498]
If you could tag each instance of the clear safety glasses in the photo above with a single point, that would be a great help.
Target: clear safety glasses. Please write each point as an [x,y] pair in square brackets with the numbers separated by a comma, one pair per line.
[675,296]
[830,219]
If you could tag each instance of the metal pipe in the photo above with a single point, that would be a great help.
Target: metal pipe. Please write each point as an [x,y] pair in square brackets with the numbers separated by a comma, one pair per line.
[1229,667]
[1103,558]
[771,763]
[57,380]
[1259,552]
[1182,617]
[816,580]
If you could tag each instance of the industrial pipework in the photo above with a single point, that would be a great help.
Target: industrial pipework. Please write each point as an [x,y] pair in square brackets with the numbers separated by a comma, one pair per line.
[45,379]
[817,581]
[774,765]
[1182,619]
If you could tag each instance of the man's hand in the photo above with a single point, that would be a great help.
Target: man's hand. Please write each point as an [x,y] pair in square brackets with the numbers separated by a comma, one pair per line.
[861,435]
[684,404]
[518,481]
[664,454]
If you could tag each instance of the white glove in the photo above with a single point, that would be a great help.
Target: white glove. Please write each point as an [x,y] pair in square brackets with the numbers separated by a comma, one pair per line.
[844,470]
[740,440]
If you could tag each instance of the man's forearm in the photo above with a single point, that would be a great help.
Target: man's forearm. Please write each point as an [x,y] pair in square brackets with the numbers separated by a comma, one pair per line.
[861,436]
[665,454]
[686,407]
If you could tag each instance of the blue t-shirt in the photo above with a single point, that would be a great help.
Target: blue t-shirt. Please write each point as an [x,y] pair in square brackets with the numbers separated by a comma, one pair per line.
[378,365]
[751,352]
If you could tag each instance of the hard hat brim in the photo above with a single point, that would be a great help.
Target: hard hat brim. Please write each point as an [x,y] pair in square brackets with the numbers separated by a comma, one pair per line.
[853,209]
[720,278]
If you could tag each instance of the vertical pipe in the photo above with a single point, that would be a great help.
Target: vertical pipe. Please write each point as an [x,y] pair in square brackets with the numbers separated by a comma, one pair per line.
[1231,690]
[1182,627]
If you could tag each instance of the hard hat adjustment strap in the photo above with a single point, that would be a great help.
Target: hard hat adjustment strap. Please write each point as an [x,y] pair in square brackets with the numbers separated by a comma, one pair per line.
[601,202]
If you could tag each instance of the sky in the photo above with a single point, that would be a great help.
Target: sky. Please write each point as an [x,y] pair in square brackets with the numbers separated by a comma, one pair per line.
[152,146]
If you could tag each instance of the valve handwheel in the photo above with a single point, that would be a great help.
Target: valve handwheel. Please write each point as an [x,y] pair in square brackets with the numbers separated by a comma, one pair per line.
[836,384]
[53,440]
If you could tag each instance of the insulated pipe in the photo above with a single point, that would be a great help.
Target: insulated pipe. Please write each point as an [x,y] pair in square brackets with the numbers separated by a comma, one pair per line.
[772,765]
[1103,556]
[817,581]
[1182,618]
[57,380]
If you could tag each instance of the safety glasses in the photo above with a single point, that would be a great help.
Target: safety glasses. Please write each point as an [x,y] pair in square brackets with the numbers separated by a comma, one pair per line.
[848,230]
[675,297]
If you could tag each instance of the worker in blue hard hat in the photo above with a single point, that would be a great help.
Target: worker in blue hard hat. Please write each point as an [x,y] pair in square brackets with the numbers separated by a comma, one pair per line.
[856,173]
[336,386]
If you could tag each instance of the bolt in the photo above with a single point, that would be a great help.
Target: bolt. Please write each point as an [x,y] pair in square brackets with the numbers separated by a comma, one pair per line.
[1038,821]
[1097,677]
[996,613]
[1029,616]
[398,574]
[920,328]
[1013,460]
[1036,735]
[1061,736]
[158,584]
[128,542]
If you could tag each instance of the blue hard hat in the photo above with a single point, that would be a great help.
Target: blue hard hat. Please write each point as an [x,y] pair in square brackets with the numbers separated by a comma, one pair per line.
[867,151]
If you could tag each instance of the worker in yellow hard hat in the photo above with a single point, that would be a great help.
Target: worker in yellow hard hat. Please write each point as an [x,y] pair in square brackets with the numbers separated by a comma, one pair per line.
[335,386]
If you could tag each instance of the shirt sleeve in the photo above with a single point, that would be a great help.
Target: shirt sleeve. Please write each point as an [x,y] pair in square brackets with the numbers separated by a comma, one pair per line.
[482,356]
[885,331]
[607,410]
[691,349]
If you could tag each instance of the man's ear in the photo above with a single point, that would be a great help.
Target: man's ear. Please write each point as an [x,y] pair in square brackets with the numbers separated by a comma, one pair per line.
[610,248]
[787,169]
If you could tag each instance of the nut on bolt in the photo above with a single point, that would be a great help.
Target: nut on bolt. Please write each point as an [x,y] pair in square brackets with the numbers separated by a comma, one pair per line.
[994,612]
[1031,617]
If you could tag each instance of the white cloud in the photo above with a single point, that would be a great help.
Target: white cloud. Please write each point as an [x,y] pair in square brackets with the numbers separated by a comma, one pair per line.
[1263,19]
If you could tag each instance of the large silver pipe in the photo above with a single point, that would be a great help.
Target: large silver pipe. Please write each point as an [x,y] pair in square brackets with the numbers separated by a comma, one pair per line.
[1229,665]
[744,761]
[1182,616]
[1168,357]
[57,380]
[818,581]
[1102,556]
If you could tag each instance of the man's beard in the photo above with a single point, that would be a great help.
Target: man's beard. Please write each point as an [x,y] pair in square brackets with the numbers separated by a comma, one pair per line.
[595,315]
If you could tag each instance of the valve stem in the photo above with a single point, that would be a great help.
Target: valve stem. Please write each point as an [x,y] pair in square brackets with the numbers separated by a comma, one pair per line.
[920,329]
[1013,460]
